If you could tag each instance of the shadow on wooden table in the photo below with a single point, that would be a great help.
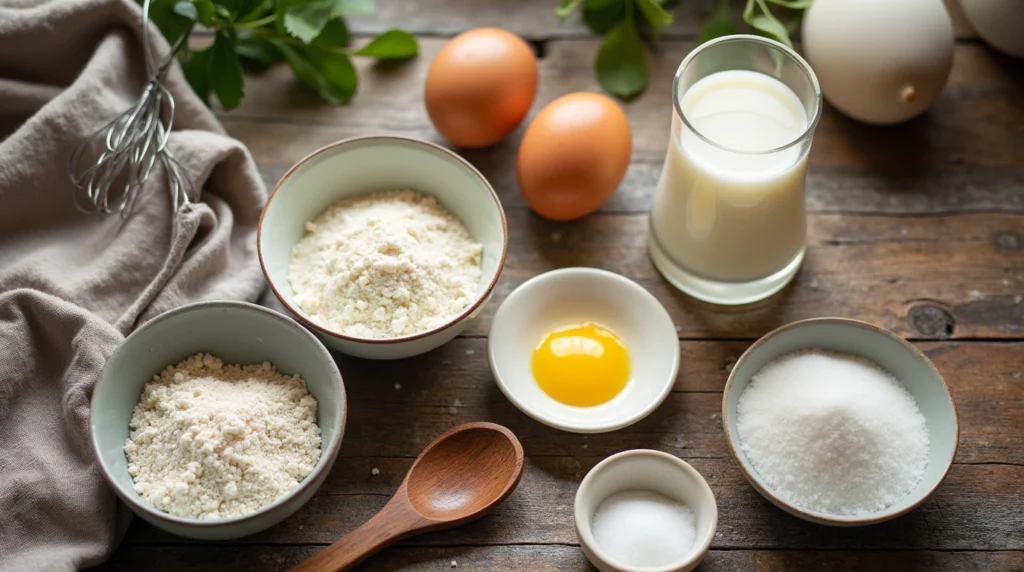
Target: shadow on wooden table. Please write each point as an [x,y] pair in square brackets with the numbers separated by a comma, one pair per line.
[768,314]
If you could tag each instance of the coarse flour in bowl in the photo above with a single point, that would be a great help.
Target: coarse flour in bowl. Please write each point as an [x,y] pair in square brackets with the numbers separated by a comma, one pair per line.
[214,441]
[385,265]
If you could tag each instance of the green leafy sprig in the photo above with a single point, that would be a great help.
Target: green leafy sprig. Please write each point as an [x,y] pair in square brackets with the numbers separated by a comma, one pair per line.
[758,15]
[621,64]
[310,35]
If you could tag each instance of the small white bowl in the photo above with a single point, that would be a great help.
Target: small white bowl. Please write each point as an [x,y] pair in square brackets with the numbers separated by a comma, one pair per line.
[893,354]
[239,333]
[653,471]
[363,165]
[570,296]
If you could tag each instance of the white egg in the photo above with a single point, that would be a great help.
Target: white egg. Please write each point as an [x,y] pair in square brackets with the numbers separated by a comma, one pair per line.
[999,22]
[879,61]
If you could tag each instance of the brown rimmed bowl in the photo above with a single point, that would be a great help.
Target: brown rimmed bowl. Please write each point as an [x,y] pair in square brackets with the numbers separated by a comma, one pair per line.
[238,333]
[893,354]
[380,163]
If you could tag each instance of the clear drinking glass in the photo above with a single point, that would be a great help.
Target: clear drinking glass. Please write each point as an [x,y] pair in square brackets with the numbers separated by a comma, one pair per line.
[727,222]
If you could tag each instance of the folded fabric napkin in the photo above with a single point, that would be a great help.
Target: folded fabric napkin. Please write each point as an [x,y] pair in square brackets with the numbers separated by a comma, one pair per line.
[73,285]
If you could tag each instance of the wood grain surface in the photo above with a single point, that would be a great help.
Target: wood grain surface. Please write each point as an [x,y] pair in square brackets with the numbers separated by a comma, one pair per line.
[918,228]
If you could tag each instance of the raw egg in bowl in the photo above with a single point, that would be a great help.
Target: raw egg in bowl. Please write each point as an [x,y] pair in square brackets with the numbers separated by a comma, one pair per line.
[583,350]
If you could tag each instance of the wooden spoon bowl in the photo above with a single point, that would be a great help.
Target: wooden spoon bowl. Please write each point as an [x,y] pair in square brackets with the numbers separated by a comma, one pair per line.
[446,483]
[459,477]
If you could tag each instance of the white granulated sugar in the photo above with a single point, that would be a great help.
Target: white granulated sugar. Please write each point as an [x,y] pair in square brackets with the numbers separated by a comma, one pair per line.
[832,433]
[212,441]
[642,529]
[385,265]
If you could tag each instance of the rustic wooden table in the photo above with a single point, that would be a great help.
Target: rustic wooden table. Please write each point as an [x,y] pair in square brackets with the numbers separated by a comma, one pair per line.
[917,228]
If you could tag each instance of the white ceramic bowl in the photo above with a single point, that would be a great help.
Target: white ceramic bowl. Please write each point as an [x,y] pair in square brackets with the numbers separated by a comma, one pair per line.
[893,354]
[647,470]
[363,165]
[238,333]
[570,296]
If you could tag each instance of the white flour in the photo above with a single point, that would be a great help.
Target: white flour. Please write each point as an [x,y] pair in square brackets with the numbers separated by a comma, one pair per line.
[385,265]
[210,440]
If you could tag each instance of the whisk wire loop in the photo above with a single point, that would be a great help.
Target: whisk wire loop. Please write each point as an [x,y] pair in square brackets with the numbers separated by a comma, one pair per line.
[110,167]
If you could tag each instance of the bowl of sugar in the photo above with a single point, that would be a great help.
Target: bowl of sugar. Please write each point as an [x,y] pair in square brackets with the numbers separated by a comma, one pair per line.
[385,247]
[645,511]
[840,422]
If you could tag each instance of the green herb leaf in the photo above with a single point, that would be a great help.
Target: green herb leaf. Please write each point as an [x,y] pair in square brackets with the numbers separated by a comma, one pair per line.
[793,4]
[566,7]
[249,10]
[718,24]
[603,15]
[621,63]
[364,7]
[231,6]
[226,77]
[303,68]
[334,35]
[197,72]
[656,16]
[305,20]
[748,11]
[391,45]
[341,80]
[186,9]
[170,23]
[770,26]
[793,24]
[260,52]
[331,75]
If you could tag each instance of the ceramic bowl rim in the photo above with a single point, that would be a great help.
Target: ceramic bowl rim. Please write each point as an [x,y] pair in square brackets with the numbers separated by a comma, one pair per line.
[560,274]
[339,147]
[579,510]
[327,458]
[823,518]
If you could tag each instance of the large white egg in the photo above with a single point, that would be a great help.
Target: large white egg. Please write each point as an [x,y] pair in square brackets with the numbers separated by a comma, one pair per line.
[999,22]
[879,61]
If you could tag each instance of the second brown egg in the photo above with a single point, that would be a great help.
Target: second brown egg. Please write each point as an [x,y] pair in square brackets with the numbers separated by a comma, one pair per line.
[573,156]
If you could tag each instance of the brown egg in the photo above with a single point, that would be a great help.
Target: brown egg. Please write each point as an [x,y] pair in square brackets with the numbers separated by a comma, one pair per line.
[480,86]
[574,155]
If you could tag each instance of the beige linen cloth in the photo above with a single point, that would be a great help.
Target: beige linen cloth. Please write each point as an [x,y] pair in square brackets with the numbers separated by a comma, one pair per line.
[73,285]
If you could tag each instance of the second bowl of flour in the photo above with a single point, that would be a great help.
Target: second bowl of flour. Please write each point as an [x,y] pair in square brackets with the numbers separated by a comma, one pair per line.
[385,246]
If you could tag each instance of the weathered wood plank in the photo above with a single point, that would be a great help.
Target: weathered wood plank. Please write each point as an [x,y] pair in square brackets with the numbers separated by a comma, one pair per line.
[980,506]
[963,155]
[454,385]
[547,559]
[535,19]
[923,277]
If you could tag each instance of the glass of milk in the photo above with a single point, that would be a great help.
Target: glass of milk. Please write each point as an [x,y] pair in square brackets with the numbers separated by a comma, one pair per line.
[727,221]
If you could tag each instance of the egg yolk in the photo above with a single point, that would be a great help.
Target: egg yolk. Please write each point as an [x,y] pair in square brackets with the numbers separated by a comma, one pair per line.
[582,365]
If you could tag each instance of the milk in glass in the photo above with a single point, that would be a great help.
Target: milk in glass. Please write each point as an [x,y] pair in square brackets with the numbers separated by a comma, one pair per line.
[730,202]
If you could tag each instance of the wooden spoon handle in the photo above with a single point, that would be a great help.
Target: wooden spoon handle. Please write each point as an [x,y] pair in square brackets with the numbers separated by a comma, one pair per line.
[395,521]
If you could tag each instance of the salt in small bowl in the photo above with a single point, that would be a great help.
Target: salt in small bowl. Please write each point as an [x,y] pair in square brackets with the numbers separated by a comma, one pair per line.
[653,471]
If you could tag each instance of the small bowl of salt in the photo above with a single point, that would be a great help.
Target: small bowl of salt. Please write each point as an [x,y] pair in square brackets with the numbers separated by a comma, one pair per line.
[645,510]
[840,422]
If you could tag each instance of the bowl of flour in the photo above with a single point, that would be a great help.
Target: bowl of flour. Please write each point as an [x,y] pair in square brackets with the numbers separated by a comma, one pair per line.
[385,247]
[218,420]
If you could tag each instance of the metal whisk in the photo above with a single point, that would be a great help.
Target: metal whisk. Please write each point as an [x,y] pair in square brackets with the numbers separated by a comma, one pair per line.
[110,166]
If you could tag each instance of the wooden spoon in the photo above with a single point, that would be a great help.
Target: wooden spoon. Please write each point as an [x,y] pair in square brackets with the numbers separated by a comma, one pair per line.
[461,476]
